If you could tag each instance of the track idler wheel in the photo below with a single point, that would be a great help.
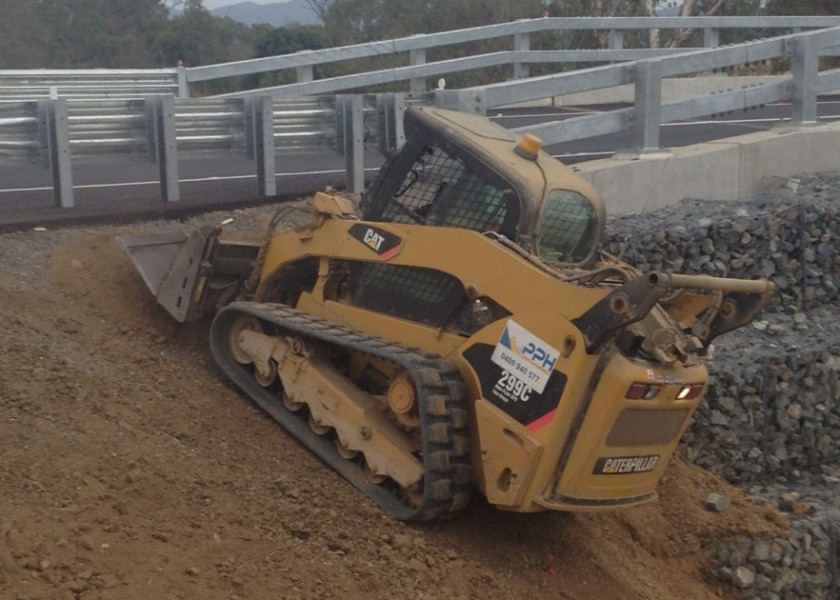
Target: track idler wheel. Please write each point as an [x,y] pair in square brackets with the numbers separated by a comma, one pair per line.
[242,323]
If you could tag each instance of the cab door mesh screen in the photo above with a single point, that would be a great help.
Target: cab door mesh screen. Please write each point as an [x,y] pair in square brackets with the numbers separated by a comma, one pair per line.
[440,190]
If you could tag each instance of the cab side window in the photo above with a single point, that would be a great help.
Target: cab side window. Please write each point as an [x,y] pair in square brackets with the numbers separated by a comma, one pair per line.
[569,231]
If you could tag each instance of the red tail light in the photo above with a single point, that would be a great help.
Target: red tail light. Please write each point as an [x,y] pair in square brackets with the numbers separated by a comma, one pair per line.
[642,391]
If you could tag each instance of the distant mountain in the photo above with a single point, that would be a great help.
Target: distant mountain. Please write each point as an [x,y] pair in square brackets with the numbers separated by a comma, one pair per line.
[276,14]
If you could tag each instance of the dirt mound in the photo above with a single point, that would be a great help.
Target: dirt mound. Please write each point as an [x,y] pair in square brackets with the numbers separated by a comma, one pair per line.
[131,470]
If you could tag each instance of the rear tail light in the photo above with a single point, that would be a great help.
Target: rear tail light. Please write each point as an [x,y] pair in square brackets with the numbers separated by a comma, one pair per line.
[690,391]
[642,391]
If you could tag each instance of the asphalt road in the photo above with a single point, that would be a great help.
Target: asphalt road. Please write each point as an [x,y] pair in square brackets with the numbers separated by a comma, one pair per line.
[128,188]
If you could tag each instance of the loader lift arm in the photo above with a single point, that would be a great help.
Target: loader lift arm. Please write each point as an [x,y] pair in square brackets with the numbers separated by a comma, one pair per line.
[741,301]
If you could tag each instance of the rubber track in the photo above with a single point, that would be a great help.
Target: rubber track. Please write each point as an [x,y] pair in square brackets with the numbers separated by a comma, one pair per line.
[444,418]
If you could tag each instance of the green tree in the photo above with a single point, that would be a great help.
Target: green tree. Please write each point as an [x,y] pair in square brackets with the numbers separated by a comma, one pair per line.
[803,7]
[288,40]
[352,21]
[442,15]
[24,38]
[196,37]
[103,33]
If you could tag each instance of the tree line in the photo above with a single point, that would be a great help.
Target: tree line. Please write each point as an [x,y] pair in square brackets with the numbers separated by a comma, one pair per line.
[67,34]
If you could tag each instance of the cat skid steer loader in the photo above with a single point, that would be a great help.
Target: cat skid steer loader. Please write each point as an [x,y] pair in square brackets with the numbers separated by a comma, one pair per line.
[461,328]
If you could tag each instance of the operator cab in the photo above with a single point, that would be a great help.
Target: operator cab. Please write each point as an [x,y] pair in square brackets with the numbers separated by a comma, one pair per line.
[462,170]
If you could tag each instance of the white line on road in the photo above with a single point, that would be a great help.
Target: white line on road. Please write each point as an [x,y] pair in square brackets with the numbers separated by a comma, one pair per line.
[738,121]
[91,186]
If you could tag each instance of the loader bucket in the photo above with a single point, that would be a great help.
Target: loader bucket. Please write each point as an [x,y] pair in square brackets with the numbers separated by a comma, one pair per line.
[169,263]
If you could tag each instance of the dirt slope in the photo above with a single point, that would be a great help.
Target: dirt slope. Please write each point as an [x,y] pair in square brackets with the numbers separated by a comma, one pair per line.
[130,470]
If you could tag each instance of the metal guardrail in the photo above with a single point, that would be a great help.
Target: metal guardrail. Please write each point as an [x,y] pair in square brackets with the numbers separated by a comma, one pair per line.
[118,127]
[60,131]
[413,50]
[91,83]
[648,113]
[409,54]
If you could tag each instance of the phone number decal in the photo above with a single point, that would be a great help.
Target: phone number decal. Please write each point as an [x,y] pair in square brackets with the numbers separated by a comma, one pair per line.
[524,356]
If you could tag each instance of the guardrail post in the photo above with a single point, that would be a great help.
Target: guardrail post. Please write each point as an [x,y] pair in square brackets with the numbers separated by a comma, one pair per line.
[805,71]
[304,73]
[648,99]
[711,37]
[56,137]
[263,110]
[249,114]
[350,125]
[615,41]
[521,43]
[468,101]
[417,57]
[183,84]
[150,122]
[390,108]
[166,143]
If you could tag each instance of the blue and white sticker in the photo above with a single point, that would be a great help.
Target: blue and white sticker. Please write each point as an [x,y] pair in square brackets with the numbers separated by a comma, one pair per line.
[525,356]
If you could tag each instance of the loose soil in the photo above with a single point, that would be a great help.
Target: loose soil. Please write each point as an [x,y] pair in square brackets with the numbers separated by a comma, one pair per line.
[130,470]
